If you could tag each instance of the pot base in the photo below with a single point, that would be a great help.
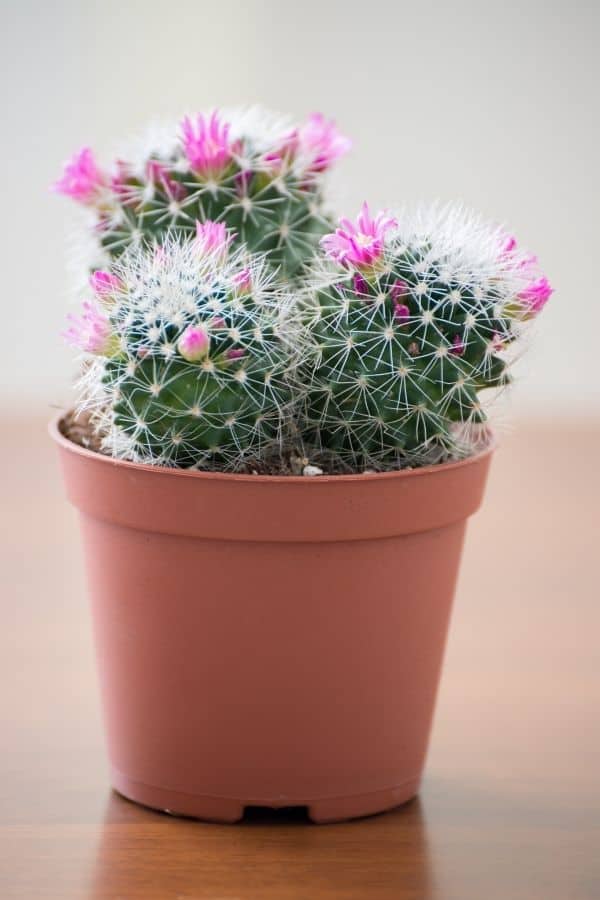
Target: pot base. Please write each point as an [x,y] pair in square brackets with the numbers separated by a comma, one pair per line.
[225,809]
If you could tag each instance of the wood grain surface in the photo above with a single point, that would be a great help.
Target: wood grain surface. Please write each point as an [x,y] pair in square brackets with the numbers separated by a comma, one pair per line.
[510,807]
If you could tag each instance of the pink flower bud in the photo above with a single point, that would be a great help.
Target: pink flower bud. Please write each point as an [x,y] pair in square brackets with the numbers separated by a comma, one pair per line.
[104,284]
[282,155]
[158,173]
[398,289]
[535,296]
[360,285]
[509,244]
[319,143]
[243,281]
[458,347]
[212,239]
[235,353]
[242,182]
[401,312]
[194,343]
[91,331]
[82,179]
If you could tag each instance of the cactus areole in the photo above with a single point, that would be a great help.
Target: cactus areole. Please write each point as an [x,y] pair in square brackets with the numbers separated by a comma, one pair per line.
[281,428]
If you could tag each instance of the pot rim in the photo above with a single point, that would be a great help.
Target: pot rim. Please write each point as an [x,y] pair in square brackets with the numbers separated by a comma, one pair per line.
[57,435]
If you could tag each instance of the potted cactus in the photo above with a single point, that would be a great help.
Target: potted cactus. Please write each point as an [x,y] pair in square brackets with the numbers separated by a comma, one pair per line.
[281,430]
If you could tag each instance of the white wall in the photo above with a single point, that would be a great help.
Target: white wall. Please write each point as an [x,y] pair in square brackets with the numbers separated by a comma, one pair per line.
[496,104]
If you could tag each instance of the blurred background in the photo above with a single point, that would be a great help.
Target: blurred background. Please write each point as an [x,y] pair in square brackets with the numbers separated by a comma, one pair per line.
[491,104]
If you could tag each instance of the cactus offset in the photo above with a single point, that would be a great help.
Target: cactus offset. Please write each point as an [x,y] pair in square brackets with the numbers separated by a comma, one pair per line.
[190,362]
[260,178]
[413,319]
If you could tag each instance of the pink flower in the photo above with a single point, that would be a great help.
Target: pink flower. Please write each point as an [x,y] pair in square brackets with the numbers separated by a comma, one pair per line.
[235,353]
[158,173]
[360,285]
[212,238]
[320,142]
[398,289]
[317,144]
[243,281]
[91,331]
[124,184]
[285,152]
[207,146]
[536,295]
[359,244]
[458,347]
[104,284]
[509,244]
[538,290]
[82,179]
[401,312]
[194,343]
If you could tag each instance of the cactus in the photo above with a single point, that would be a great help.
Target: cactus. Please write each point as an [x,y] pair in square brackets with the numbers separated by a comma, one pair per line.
[261,179]
[188,358]
[411,318]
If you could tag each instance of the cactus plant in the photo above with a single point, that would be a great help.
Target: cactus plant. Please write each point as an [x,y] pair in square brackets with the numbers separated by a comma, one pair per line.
[412,319]
[397,332]
[187,354]
[247,170]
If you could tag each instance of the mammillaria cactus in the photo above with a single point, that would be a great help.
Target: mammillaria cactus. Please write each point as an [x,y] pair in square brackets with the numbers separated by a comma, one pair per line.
[396,331]
[412,317]
[187,362]
[248,171]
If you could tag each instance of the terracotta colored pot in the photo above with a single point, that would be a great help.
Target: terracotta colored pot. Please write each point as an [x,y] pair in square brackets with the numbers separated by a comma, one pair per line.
[269,641]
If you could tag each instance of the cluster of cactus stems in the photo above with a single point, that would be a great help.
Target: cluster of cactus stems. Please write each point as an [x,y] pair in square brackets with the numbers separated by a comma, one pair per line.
[221,334]
[258,177]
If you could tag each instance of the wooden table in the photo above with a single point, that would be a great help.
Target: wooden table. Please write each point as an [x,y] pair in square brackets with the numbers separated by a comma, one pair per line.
[510,808]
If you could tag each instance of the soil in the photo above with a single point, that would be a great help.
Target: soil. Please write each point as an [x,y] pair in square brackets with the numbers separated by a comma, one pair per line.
[77,427]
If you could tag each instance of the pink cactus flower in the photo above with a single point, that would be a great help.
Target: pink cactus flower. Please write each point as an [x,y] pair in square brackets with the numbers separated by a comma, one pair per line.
[158,173]
[320,142]
[90,331]
[194,343]
[285,152]
[82,179]
[509,244]
[359,244]
[398,289]
[212,238]
[360,285]
[243,281]
[242,182]
[207,145]
[535,296]
[317,143]
[401,312]
[538,291]
[123,183]
[104,284]
[458,346]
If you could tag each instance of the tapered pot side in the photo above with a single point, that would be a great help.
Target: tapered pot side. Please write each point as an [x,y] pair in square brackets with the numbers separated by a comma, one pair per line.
[270,641]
